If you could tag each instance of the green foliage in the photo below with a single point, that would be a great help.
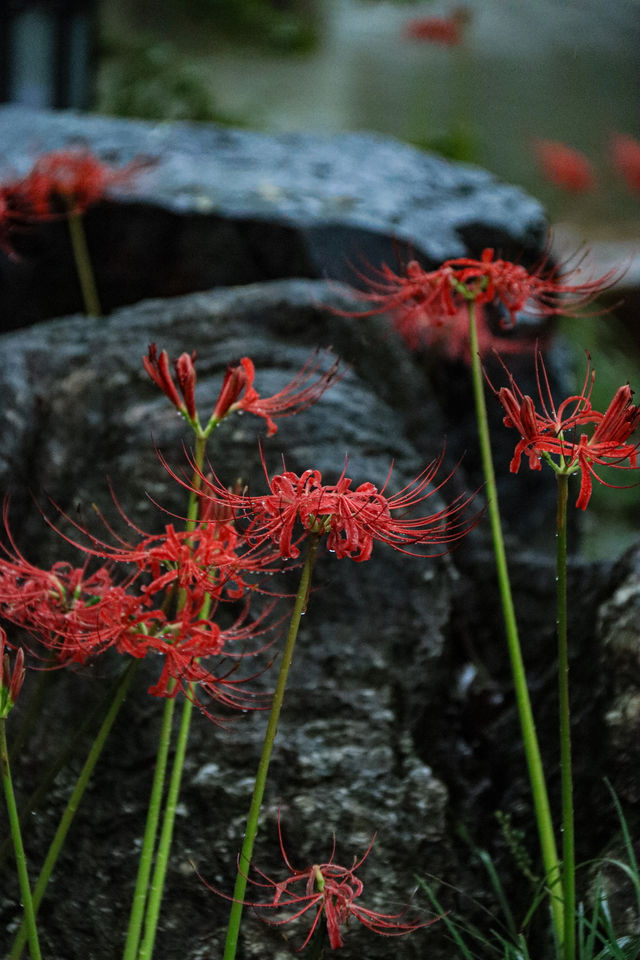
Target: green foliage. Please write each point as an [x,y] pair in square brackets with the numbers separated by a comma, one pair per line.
[460,143]
[503,939]
[151,81]
[284,27]
[514,839]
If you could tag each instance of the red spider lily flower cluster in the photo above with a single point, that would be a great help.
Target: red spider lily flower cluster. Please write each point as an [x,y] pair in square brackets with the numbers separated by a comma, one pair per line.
[332,892]
[237,392]
[63,182]
[76,614]
[10,682]
[351,519]
[208,559]
[446,31]
[564,166]
[558,432]
[423,302]
[625,156]
[452,336]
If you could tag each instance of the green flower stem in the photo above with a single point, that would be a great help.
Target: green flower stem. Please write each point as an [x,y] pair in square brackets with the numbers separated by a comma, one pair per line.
[318,943]
[196,482]
[527,723]
[244,863]
[29,921]
[162,855]
[147,900]
[60,761]
[568,852]
[166,834]
[148,844]
[74,803]
[83,264]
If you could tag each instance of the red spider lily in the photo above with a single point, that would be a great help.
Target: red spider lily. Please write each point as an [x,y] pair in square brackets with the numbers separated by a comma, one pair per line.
[66,181]
[157,366]
[186,642]
[452,337]
[331,891]
[625,156]
[212,559]
[558,432]
[74,614]
[77,615]
[237,392]
[351,519]
[564,166]
[10,682]
[196,560]
[297,395]
[432,299]
[447,31]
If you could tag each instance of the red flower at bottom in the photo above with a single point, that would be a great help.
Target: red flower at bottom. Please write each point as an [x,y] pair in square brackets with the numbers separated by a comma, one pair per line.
[331,891]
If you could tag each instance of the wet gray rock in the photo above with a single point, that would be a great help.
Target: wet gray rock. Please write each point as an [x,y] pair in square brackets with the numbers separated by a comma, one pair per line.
[619,632]
[222,206]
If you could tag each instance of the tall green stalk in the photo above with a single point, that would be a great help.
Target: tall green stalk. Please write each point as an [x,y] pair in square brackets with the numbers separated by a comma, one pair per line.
[147,898]
[29,922]
[145,863]
[59,762]
[83,264]
[251,830]
[568,851]
[527,723]
[166,833]
[73,804]
[164,844]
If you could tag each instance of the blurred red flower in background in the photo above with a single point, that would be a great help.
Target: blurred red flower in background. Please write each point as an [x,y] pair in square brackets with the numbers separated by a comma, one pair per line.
[564,166]
[429,306]
[66,181]
[446,31]
[625,157]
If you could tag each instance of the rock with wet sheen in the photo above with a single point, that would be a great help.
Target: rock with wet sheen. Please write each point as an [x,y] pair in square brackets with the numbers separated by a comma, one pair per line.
[221,207]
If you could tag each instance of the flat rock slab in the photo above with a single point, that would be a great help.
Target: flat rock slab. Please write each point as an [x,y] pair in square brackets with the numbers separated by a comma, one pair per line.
[221,206]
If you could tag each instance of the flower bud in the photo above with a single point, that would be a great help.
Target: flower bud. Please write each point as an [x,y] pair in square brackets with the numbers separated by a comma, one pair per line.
[10,684]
